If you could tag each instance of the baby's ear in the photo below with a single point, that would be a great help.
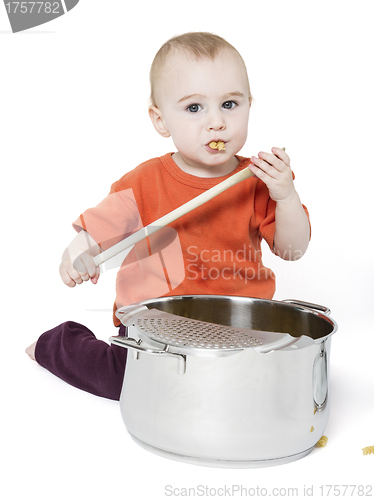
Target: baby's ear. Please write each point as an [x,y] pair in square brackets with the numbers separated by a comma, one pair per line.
[158,121]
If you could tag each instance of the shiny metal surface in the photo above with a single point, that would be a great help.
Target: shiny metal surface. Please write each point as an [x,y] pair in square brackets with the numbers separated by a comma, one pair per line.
[136,345]
[182,332]
[309,305]
[200,338]
[257,314]
[246,410]
[320,378]
[227,464]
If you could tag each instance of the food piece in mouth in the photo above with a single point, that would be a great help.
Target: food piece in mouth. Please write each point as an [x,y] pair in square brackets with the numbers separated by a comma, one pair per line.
[217,145]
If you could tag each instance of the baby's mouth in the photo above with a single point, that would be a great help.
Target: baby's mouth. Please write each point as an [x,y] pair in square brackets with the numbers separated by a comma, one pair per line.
[220,145]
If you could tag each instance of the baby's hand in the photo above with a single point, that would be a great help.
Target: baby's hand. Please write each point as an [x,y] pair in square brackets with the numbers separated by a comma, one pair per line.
[77,261]
[74,271]
[275,171]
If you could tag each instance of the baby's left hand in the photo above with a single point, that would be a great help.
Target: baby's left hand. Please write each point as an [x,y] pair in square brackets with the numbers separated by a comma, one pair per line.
[275,171]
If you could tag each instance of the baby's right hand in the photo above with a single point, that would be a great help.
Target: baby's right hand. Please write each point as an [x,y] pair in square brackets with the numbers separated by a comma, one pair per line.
[77,263]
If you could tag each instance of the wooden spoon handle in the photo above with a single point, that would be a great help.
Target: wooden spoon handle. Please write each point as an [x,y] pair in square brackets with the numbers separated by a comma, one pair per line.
[172,216]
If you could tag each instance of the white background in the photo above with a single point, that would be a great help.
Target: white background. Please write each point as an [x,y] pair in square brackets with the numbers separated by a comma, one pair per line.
[74,97]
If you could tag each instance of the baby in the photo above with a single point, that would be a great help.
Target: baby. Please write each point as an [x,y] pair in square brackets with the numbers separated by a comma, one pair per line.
[200,96]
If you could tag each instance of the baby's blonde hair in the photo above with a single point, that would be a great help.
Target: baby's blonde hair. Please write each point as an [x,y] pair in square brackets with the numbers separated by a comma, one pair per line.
[200,45]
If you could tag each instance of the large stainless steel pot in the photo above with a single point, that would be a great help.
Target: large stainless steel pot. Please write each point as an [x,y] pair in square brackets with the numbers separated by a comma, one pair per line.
[249,408]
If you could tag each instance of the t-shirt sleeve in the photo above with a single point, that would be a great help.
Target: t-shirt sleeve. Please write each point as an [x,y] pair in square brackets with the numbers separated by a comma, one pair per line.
[267,225]
[112,220]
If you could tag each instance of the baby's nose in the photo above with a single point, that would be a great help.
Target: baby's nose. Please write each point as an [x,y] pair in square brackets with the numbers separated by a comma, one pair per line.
[216,122]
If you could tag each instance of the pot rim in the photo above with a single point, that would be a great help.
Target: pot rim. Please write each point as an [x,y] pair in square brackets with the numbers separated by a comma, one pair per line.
[305,307]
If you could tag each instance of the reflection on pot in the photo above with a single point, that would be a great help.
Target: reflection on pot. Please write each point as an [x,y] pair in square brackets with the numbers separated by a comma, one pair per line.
[228,406]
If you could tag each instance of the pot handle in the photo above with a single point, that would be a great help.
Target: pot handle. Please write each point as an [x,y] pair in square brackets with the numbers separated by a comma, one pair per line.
[320,379]
[130,343]
[127,314]
[285,341]
[308,305]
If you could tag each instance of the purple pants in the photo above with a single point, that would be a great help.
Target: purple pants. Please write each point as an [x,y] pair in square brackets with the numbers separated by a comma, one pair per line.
[73,353]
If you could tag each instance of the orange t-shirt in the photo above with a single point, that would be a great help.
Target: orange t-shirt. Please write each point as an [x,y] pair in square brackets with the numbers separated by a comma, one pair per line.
[215,249]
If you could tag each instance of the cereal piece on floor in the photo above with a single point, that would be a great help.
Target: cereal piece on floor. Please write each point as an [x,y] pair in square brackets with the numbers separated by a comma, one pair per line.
[322,442]
[368,450]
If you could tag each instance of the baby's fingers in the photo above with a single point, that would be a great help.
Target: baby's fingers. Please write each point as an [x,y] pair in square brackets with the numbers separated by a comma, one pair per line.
[85,265]
[94,279]
[282,155]
[79,272]
[262,168]
[70,276]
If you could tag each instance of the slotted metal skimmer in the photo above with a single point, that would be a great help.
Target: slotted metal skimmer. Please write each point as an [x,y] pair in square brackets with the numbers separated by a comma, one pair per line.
[190,336]
[185,332]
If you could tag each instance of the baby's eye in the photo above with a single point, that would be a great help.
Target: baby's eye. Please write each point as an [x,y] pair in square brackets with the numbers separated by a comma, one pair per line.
[229,105]
[194,108]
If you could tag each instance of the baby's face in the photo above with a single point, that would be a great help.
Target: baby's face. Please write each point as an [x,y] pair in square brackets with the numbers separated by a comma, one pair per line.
[204,101]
